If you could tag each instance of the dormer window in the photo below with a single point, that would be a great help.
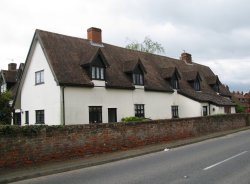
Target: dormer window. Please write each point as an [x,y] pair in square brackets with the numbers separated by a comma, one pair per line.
[175,81]
[216,88]
[197,86]
[135,71]
[138,77]
[97,73]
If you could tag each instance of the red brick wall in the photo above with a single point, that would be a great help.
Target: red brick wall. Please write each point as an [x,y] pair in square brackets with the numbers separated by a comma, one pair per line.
[29,145]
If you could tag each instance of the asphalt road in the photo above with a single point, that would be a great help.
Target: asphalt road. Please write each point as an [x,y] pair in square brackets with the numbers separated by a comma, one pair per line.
[220,160]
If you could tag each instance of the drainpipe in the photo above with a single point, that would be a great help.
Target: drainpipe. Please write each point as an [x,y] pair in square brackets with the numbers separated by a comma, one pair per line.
[63,106]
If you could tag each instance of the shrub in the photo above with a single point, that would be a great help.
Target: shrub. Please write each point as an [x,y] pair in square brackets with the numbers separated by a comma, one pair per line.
[240,109]
[5,108]
[133,119]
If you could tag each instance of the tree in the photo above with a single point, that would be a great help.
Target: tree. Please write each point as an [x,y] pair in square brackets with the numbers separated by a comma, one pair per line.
[146,46]
[5,108]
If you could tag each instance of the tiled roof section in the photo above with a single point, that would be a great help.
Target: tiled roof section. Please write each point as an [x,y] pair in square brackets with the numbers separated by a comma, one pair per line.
[190,75]
[67,55]
[212,79]
[207,97]
[167,73]
[10,76]
[129,66]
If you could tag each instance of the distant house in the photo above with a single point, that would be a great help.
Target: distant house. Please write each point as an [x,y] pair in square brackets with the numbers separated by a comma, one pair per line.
[9,80]
[242,99]
[69,80]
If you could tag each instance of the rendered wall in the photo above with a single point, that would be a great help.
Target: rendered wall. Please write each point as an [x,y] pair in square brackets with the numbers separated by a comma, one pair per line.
[40,97]
[157,105]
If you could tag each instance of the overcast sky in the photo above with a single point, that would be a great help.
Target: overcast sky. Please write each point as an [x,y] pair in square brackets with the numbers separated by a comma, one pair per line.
[215,32]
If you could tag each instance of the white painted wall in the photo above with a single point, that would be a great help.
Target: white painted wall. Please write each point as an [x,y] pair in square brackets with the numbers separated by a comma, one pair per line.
[77,101]
[40,97]
[187,106]
[233,110]
[216,109]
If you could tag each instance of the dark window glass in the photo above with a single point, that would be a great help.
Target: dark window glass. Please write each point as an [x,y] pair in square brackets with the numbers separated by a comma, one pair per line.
[197,85]
[227,110]
[138,79]
[27,117]
[97,73]
[216,88]
[18,118]
[204,109]
[39,77]
[95,114]
[175,82]
[39,116]
[139,110]
[175,113]
[112,115]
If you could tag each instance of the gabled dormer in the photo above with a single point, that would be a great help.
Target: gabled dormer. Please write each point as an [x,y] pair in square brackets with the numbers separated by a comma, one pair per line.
[194,79]
[197,83]
[135,70]
[96,66]
[214,83]
[172,75]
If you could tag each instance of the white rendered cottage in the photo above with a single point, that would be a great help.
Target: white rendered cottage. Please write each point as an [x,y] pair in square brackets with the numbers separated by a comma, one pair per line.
[69,80]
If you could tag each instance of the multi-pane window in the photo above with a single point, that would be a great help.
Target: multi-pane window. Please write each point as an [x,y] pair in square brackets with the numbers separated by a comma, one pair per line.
[27,117]
[216,88]
[112,114]
[39,116]
[204,109]
[175,113]
[39,77]
[197,85]
[95,114]
[139,110]
[138,79]
[97,73]
[227,110]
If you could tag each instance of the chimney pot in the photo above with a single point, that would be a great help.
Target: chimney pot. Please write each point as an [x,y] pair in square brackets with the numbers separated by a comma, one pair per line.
[186,57]
[11,66]
[95,35]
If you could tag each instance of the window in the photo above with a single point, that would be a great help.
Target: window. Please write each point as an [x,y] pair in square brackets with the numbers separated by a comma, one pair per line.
[139,110]
[39,116]
[175,113]
[197,85]
[27,117]
[112,115]
[95,114]
[39,77]
[97,73]
[227,110]
[3,88]
[138,79]
[204,109]
[175,84]
[18,118]
[216,88]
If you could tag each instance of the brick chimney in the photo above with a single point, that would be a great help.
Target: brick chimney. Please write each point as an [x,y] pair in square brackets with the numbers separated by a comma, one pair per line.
[11,66]
[95,35]
[186,57]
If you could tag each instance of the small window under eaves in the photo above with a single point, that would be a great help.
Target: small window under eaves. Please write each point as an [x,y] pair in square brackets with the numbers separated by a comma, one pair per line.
[138,76]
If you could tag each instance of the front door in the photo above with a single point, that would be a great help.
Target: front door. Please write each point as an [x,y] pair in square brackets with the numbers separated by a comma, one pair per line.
[112,115]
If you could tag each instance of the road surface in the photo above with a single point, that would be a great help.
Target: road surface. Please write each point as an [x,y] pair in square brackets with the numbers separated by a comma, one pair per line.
[220,160]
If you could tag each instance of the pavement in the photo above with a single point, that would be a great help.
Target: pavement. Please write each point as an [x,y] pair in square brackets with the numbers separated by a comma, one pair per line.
[12,175]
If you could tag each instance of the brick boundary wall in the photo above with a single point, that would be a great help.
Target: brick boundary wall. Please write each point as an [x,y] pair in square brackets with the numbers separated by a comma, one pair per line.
[30,145]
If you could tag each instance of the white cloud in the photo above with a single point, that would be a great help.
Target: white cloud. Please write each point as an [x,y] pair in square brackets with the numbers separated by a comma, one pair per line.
[215,30]
[234,72]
